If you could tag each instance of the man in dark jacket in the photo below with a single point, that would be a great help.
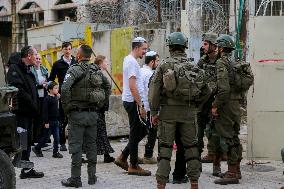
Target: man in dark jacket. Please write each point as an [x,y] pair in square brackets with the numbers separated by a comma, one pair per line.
[59,70]
[20,76]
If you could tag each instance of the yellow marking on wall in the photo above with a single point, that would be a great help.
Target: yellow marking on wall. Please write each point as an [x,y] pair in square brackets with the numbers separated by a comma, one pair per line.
[120,46]
[52,52]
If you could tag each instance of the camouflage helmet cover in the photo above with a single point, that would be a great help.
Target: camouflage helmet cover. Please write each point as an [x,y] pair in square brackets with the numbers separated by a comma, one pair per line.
[177,38]
[226,41]
[211,37]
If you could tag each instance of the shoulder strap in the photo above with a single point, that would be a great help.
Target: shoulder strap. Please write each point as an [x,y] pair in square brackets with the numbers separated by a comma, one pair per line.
[82,76]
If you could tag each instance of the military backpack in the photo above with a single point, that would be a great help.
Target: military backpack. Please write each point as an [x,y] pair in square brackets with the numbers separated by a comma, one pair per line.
[91,89]
[183,80]
[241,76]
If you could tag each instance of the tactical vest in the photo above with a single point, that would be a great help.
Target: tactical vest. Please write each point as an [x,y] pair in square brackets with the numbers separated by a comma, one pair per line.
[89,90]
[210,74]
[182,80]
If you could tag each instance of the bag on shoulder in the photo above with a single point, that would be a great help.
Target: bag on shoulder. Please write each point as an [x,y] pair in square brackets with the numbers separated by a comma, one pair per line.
[97,95]
[183,80]
[241,76]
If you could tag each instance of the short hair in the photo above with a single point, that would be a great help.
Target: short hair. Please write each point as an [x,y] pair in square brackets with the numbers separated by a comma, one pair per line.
[99,59]
[138,42]
[149,57]
[86,51]
[51,85]
[25,51]
[66,44]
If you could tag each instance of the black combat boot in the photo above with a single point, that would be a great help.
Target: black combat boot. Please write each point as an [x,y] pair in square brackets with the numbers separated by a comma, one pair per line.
[72,182]
[180,180]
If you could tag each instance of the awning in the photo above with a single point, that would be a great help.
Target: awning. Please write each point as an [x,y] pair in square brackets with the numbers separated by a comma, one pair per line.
[64,6]
[30,10]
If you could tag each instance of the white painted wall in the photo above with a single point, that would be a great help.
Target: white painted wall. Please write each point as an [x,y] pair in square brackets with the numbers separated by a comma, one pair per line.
[266,99]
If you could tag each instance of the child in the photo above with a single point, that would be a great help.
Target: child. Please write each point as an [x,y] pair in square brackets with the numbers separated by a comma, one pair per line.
[50,120]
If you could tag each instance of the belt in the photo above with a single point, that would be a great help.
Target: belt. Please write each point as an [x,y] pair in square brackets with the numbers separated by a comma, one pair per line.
[85,109]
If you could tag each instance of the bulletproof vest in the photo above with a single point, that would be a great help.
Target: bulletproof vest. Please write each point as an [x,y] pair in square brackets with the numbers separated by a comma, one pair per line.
[89,89]
[182,80]
[210,74]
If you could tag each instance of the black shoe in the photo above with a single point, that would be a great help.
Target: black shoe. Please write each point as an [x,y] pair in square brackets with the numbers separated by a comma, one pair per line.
[72,182]
[63,147]
[31,174]
[57,155]
[37,152]
[84,160]
[108,159]
[92,181]
[180,180]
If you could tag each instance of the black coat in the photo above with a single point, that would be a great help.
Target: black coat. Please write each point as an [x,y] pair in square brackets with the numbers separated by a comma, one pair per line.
[20,76]
[59,70]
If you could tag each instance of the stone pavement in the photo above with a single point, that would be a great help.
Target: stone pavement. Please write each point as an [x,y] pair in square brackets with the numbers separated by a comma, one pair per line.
[262,176]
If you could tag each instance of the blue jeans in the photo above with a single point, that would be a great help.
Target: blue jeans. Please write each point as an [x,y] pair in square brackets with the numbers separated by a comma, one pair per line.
[47,132]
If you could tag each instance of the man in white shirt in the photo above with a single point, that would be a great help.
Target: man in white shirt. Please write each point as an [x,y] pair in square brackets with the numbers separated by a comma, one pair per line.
[151,62]
[133,104]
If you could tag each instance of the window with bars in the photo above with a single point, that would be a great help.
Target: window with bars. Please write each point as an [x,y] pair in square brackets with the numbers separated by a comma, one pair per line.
[269,7]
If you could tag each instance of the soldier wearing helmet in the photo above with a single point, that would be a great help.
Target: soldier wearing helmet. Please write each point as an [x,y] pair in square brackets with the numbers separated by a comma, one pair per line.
[175,112]
[226,109]
[205,122]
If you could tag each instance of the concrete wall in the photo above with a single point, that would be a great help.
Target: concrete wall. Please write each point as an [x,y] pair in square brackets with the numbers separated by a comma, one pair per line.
[265,99]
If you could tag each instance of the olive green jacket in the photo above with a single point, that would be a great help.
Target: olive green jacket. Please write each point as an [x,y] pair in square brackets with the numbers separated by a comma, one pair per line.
[224,88]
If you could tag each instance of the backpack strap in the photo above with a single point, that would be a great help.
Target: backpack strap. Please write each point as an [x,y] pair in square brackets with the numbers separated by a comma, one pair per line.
[82,76]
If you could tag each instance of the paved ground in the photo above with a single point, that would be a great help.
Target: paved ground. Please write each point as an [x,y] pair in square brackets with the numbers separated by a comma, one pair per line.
[262,176]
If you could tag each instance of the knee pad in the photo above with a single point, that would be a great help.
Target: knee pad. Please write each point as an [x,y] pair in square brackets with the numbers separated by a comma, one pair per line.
[165,151]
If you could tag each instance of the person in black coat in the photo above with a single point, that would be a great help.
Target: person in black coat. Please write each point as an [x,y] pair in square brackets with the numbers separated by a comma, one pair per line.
[20,76]
[59,69]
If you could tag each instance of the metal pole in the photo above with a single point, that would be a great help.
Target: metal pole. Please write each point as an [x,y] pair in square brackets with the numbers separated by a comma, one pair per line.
[159,10]
[14,25]
[110,77]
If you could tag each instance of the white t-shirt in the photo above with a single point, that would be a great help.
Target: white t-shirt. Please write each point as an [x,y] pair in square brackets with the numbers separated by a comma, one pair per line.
[41,79]
[130,68]
[146,73]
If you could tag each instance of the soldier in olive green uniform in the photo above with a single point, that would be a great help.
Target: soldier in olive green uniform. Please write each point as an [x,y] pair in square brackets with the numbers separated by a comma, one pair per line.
[208,63]
[84,90]
[176,112]
[204,119]
[226,109]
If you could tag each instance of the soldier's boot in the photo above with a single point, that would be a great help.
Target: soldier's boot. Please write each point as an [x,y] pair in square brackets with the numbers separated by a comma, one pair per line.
[230,176]
[121,161]
[72,182]
[194,184]
[92,178]
[239,173]
[137,170]
[207,159]
[161,185]
[216,166]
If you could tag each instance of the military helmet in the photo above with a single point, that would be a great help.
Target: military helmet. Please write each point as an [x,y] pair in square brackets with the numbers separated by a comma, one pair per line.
[226,41]
[211,37]
[177,38]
